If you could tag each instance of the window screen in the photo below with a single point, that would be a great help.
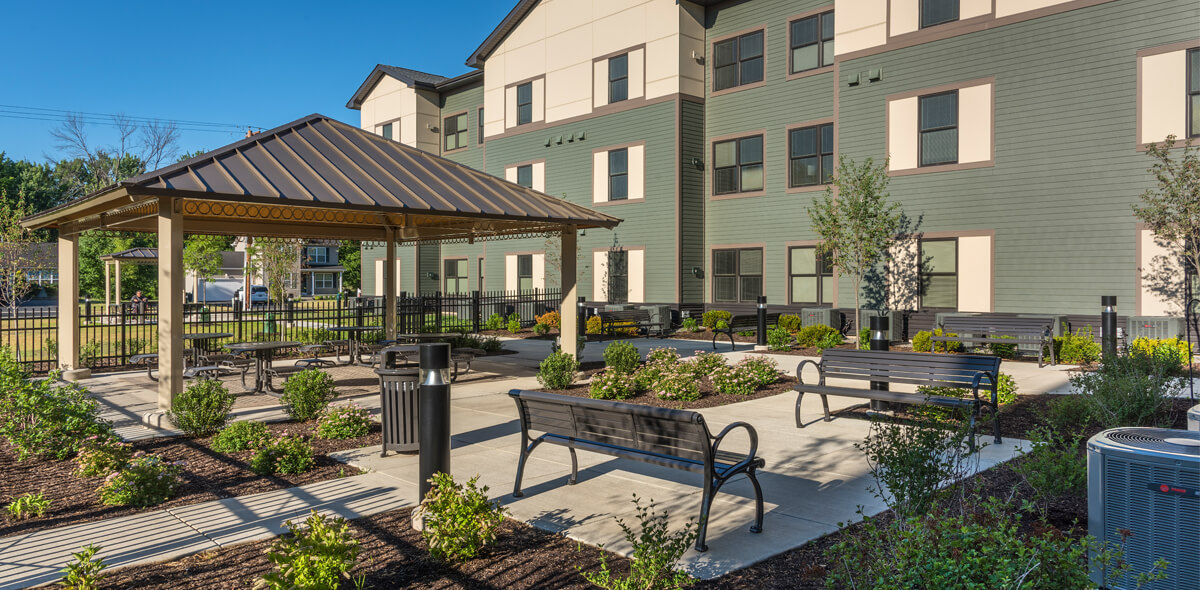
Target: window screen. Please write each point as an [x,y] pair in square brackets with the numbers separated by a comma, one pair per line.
[618,276]
[455,131]
[938,114]
[525,175]
[737,275]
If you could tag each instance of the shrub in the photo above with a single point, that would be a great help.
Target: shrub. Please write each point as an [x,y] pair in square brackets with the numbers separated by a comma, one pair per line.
[790,322]
[1053,467]
[1006,393]
[1129,391]
[1171,351]
[551,319]
[864,339]
[241,436]
[341,422]
[593,325]
[313,335]
[146,480]
[662,354]
[558,371]
[612,384]
[45,418]
[84,571]
[732,381]
[677,385]
[459,520]
[690,325]
[514,326]
[29,505]
[762,371]
[541,329]
[317,556]
[711,317]
[306,394]
[910,462]
[703,364]
[779,339]
[101,456]
[289,455]
[656,553]
[922,342]
[808,336]
[495,322]
[203,408]
[830,340]
[622,357]
[1078,348]
[1004,351]
[721,325]
[1069,414]
[488,344]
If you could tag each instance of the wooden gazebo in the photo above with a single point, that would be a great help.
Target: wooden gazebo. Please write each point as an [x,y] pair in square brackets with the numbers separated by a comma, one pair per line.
[140,255]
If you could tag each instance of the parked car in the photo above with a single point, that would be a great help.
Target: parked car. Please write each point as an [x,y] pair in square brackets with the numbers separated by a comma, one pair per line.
[258,294]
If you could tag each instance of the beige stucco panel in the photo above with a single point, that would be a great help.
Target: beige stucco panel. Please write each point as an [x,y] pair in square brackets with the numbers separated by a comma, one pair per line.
[406,130]
[975,273]
[902,133]
[429,121]
[975,124]
[510,107]
[564,15]
[390,99]
[533,28]
[564,50]
[539,271]
[539,100]
[539,176]
[1009,7]
[600,177]
[860,24]
[902,273]
[1164,110]
[510,272]
[525,62]
[637,276]
[637,172]
[1159,278]
[599,82]
[569,92]
[906,17]
[600,263]
[619,30]
[637,73]
[973,8]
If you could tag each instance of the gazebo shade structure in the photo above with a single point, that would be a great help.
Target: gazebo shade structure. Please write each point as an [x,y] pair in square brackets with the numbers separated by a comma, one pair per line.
[311,178]
[140,255]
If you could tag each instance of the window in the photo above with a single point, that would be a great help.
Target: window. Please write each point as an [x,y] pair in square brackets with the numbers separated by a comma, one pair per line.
[810,155]
[525,175]
[387,131]
[939,274]
[936,12]
[456,277]
[738,61]
[455,130]
[1193,88]
[323,280]
[479,127]
[938,123]
[525,103]
[618,276]
[812,42]
[525,272]
[618,78]
[737,275]
[317,255]
[618,174]
[811,276]
[738,165]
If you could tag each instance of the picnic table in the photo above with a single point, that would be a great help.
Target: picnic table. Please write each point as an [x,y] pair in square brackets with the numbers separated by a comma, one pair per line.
[203,339]
[263,353]
[354,340]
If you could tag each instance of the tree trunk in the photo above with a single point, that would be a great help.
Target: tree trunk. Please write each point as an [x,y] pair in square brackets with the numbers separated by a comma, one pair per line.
[857,310]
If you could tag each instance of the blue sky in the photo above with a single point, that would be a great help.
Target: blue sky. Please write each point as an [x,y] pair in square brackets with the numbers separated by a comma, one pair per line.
[242,63]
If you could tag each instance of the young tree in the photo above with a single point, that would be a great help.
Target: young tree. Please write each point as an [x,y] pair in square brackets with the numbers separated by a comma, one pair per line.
[276,260]
[19,253]
[855,221]
[350,257]
[1172,208]
[202,256]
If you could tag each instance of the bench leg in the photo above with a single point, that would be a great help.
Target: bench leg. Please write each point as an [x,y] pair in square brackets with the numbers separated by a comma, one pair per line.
[996,423]
[525,451]
[758,501]
[715,340]
[799,422]
[825,405]
[150,372]
[971,429]
[705,507]
[574,468]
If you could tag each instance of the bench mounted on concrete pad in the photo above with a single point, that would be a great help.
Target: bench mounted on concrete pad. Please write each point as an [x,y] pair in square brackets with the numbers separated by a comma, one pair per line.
[966,371]
[639,319]
[150,360]
[743,323]
[984,329]
[660,436]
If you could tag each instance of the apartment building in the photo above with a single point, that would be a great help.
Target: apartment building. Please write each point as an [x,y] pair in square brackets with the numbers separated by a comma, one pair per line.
[1014,133]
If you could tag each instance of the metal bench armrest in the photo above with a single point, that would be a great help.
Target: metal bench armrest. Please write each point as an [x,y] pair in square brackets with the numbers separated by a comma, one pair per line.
[750,456]
[800,372]
[978,380]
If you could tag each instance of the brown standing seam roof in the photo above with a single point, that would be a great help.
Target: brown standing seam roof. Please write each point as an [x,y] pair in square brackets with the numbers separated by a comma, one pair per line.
[141,254]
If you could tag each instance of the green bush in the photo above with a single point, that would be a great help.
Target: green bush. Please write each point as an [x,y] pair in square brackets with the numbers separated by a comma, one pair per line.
[342,422]
[1171,351]
[203,408]
[622,357]
[790,322]
[558,371]
[703,364]
[313,335]
[1053,467]
[808,336]
[763,371]
[307,393]
[662,354]
[678,385]
[496,322]
[45,418]
[514,326]
[241,436]
[830,340]
[911,461]
[541,329]
[1004,351]
[690,325]
[1006,393]
[656,553]
[147,480]
[488,344]
[779,339]
[922,342]
[317,556]
[289,455]
[84,571]
[459,520]
[1070,414]
[612,384]
[864,339]
[732,381]
[1078,348]
[101,456]
[710,318]
[28,505]
[1130,391]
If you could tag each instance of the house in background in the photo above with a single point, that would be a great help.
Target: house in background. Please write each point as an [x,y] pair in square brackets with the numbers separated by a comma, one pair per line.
[316,272]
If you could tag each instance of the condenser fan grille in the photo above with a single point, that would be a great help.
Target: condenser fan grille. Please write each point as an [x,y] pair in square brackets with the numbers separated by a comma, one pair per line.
[1152,440]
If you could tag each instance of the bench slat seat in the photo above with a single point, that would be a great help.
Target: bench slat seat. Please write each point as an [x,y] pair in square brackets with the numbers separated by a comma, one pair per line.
[1001,330]
[743,323]
[611,321]
[678,439]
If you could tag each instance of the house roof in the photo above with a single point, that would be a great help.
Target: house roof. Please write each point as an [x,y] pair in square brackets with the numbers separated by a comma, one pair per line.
[320,178]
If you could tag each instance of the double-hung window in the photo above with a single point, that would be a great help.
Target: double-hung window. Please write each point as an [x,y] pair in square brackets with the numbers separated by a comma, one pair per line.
[455,129]
[737,275]
[738,61]
[939,273]
[386,132]
[456,276]
[318,255]
[525,272]
[812,42]
[618,174]
[525,175]
[938,124]
[811,275]
[936,12]
[618,276]
[1193,88]
[323,280]
[738,165]
[618,78]
[525,103]
[810,155]
[479,127]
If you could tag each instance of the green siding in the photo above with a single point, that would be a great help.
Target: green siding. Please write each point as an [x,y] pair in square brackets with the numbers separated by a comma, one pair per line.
[466,99]
[691,209]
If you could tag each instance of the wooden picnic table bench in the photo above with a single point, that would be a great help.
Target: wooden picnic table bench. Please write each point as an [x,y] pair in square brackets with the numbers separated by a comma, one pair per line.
[637,319]
[1013,331]
[679,439]
[742,323]
[966,371]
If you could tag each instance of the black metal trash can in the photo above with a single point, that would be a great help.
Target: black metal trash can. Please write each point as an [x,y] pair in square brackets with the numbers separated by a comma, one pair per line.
[398,390]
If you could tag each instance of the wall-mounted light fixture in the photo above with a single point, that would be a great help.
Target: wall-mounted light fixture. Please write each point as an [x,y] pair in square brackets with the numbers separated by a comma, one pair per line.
[699,57]
[431,275]
[696,163]
[697,272]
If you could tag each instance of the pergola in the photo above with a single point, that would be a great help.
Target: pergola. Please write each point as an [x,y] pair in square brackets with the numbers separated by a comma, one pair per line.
[139,255]
[312,178]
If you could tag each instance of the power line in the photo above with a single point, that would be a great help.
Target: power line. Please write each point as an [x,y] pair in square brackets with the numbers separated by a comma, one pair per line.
[112,124]
[110,119]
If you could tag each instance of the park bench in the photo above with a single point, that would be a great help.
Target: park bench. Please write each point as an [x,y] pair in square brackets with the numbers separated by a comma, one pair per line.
[966,371]
[149,360]
[638,319]
[1000,330]
[742,323]
[678,439]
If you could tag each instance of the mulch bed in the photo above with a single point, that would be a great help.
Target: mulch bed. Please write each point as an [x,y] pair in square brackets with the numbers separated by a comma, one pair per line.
[394,556]
[708,397]
[208,475]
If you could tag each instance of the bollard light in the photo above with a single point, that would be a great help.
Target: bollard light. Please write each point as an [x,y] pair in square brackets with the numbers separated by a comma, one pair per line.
[434,412]
[762,322]
[1108,324]
[879,341]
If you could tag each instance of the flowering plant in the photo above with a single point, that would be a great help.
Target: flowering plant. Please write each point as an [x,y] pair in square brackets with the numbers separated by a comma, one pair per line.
[612,384]
[349,421]
[146,480]
[102,455]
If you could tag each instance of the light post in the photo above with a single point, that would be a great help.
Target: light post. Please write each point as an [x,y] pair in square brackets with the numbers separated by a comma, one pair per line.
[879,341]
[762,323]
[1108,325]
[434,412]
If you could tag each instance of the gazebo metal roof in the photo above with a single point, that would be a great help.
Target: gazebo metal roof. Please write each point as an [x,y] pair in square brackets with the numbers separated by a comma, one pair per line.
[319,178]
[140,255]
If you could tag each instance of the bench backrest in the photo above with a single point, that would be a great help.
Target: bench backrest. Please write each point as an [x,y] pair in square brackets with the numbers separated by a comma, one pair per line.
[662,431]
[748,321]
[918,368]
[996,325]
[629,315]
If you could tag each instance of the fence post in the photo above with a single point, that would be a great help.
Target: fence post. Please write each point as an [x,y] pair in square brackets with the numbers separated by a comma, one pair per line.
[476,312]
[237,321]
[124,334]
[437,320]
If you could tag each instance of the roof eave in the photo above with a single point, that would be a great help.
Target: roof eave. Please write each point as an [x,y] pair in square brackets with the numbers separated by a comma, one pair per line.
[501,31]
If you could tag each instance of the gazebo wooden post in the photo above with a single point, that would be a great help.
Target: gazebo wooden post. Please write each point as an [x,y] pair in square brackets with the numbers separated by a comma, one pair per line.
[117,294]
[68,307]
[170,301]
[107,286]
[389,286]
[568,319]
